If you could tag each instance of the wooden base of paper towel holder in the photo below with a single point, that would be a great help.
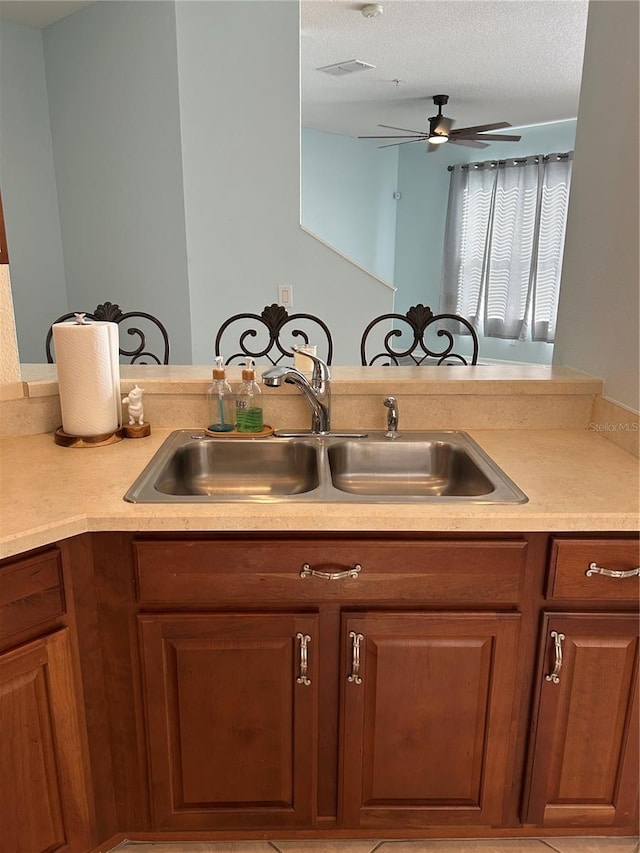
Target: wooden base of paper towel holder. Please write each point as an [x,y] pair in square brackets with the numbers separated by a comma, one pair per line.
[65,440]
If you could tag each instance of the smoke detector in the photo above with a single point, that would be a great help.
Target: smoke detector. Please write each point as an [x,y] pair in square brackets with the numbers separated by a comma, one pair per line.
[372,10]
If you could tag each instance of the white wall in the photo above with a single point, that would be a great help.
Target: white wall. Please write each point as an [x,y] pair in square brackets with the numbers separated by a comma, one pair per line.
[599,307]
[29,189]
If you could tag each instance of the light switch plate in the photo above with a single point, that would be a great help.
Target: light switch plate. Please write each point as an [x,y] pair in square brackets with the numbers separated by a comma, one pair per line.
[285,295]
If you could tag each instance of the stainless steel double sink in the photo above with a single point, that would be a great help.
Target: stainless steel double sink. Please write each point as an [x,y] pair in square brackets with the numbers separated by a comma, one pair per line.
[418,467]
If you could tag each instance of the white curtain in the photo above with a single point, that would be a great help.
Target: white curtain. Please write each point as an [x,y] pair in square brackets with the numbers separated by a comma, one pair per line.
[504,242]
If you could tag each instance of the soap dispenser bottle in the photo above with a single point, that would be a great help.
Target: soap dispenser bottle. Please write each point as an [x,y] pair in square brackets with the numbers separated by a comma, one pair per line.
[249,402]
[221,401]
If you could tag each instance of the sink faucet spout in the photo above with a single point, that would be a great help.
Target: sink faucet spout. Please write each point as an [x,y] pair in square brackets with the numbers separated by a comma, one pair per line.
[317,392]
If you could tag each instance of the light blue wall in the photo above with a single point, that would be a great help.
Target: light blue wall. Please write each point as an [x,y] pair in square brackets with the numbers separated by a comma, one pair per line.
[423,182]
[29,189]
[348,197]
[197,245]
[115,122]
[240,117]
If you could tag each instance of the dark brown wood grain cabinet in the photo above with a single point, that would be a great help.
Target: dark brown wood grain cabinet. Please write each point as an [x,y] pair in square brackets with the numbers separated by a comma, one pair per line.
[231,709]
[45,790]
[407,685]
[585,744]
[585,767]
[427,705]
[332,713]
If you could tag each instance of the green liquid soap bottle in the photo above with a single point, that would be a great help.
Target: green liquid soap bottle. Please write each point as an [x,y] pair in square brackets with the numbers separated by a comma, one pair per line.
[249,402]
[221,401]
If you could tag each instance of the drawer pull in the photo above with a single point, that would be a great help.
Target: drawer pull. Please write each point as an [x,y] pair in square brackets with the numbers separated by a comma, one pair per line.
[555,675]
[305,639]
[355,658]
[612,573]
[308,572]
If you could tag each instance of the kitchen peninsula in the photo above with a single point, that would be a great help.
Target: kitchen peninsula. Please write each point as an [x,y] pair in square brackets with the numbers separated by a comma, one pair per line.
[149,630]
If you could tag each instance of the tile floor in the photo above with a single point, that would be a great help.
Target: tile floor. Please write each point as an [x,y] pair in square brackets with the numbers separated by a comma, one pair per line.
[530,845]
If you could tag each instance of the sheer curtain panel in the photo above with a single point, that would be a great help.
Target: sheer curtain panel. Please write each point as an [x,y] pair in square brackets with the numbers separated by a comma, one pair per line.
[504,242]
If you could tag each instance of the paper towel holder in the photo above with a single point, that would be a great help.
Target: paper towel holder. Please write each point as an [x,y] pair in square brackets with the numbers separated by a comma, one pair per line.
[81,437]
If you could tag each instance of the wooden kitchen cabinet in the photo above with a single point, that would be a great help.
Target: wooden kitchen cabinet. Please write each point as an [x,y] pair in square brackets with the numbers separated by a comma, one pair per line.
[231,710]
[44,791]
[426,712]
[584,746]
[585,752]
[236,740]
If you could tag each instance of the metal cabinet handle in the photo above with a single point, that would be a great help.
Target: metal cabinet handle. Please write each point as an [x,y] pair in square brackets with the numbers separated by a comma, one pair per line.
[355,657]
[308,572]
[555,675]
[611,573]
[305,639]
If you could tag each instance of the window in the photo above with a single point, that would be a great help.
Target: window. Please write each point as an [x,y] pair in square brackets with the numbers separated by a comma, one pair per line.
[504,242]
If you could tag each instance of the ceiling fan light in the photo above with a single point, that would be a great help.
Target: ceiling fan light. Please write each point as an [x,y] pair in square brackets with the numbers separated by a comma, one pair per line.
[438,139]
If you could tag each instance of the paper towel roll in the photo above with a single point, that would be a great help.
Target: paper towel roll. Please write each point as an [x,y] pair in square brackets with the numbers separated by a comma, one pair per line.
[88,377]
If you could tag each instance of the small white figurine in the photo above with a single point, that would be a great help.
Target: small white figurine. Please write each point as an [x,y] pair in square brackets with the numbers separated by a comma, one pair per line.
[134,401]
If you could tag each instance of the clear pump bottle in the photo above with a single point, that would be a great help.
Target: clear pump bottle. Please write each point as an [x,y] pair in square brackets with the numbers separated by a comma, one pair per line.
[249,402]
[221,401]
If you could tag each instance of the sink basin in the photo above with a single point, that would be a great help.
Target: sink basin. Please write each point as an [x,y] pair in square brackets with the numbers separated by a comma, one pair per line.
[436,467]
[237,468]
[421,468]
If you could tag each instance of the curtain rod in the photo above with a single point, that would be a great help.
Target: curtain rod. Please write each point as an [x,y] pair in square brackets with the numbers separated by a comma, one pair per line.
[516,160]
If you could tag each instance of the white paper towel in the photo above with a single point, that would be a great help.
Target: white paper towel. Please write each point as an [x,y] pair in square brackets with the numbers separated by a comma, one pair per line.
[88,377]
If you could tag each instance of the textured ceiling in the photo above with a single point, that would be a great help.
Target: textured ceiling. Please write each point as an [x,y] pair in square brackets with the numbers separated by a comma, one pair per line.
[499,60]
[513,60]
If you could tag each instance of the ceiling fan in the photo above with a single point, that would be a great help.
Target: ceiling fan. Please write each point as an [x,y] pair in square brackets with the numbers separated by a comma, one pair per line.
[440,130]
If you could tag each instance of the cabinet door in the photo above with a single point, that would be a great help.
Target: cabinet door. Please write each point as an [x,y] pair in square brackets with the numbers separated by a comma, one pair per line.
[426,718]
[231,710]
[43,786]
[585,747]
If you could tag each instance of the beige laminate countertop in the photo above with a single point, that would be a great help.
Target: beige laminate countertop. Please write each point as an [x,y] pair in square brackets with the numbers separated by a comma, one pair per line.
[576,480]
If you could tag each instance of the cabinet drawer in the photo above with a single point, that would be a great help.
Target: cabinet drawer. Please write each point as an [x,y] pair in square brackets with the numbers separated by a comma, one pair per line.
[31,592]
[188,572]
[571,577]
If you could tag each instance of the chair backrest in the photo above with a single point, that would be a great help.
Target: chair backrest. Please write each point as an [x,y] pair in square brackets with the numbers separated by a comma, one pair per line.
[271,334]
[418,323]
[110,312]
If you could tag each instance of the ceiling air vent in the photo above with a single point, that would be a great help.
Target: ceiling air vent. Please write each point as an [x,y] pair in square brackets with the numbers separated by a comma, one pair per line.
[348,67]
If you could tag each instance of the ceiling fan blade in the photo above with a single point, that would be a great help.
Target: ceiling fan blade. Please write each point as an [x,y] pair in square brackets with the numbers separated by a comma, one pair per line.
[480,128]
[417,136]
[501,137]
[470,143]
[409,142]
[486,137]
[406,129]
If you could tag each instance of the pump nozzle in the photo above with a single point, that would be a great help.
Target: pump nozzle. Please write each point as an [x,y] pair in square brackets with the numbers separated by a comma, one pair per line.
[218,370]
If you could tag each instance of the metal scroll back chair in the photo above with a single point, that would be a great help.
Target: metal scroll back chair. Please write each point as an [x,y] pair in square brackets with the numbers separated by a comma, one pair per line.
[271,334]
[140,352]
[426,338]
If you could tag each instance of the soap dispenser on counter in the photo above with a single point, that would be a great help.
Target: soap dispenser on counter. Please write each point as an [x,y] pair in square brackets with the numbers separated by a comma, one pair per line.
[249,402]
[221,401]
